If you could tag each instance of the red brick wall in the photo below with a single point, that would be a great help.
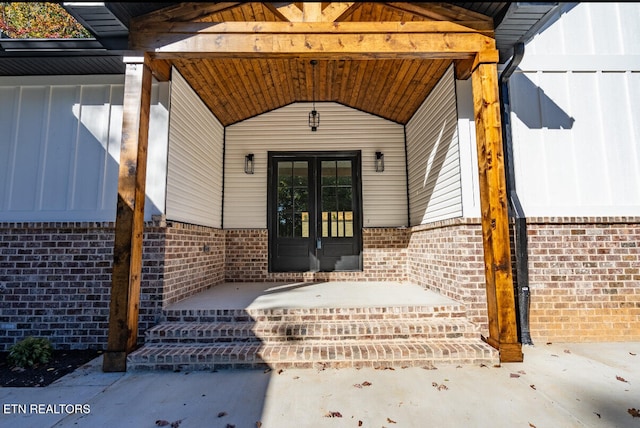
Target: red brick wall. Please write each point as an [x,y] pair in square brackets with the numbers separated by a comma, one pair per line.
[55,280]
[447,257]
[584,275]
[195,258]
[384,258]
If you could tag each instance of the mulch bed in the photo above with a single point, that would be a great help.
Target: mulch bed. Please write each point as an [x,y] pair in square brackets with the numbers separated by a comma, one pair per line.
[62,362]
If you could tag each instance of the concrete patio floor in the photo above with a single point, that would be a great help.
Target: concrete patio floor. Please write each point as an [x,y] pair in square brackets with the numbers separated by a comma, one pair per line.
[558,385]
[334,294]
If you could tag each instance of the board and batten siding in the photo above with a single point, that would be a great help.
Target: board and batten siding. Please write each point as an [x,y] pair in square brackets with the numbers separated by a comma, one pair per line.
[60,148]
[575,107]
[435,190]
[196,141]
[384,194]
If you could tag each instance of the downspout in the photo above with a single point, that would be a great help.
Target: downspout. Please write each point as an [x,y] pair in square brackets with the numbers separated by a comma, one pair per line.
[515,207]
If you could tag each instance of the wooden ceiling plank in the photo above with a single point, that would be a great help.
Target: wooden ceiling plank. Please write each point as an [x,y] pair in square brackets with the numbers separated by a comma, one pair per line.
[366,93]
[406,70]
[243,80]
[226,84]
[188,11]
[215,98]
[459,13]
[384,74]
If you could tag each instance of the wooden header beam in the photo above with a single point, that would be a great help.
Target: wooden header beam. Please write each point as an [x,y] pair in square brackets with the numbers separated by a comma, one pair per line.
[426,40]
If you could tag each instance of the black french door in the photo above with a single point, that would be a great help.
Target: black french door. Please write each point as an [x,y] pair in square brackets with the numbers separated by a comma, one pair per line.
[314,212]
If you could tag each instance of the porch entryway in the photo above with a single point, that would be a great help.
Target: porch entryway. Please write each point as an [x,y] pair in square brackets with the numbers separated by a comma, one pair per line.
[313,325]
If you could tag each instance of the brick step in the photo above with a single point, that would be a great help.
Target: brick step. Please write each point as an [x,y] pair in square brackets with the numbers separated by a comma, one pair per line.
[312,354]
[293,315]
[268,332]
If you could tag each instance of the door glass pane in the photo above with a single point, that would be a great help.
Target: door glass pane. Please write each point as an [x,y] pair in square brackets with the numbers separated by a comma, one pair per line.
[293,199]
[337,199]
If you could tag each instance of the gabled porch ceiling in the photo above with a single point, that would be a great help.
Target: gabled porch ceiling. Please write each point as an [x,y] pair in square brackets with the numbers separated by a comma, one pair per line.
[236,86]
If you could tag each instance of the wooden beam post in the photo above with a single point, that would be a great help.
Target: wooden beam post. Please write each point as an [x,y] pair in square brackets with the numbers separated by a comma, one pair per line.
[127,252]
[501,308]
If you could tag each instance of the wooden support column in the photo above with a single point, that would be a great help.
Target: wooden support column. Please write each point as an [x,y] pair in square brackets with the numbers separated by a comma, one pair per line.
[503,333]
[127,252]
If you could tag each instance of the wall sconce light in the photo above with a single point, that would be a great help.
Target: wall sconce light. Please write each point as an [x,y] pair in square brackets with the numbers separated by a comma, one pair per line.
[379,161]
[248,164]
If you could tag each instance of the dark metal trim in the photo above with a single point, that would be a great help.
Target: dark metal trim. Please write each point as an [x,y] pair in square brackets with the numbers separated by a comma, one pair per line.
[515,207]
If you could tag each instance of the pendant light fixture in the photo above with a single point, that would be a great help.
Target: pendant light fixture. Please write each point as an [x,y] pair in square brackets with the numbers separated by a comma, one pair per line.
[314,116]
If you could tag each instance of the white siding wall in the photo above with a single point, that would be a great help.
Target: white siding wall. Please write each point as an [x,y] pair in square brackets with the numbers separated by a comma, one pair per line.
[341,128]
[576,104]
[60,148]
[435,191]
[468,150]
[196,141]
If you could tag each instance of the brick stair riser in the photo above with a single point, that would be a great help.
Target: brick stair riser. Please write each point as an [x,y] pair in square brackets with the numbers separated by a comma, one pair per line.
[319,355]
[225,333]
[312,315]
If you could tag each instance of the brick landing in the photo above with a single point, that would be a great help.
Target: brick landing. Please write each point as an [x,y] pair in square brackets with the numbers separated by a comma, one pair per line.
[378,337]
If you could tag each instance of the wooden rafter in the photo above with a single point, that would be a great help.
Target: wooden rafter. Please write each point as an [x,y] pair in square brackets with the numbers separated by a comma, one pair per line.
[310,12]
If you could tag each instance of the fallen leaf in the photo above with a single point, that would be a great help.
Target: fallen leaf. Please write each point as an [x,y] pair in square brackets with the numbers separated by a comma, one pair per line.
[522,372]
[296,377]
[176,424]
[532,386]
[162,423]
[443,386]
[631,353]
[357,385]
[598,415]
[280,371]
[566,351]
[634,412]
[549,343]
[532,425]
[434,384]
[359,423]
[365,383]
[222,414]
[514,375]
[258,424]
[333,415]
[553,355]
[230,426]
[391,421]
[621,379]
[405,367]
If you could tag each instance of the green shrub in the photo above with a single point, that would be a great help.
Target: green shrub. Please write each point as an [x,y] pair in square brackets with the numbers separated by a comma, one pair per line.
[30,352]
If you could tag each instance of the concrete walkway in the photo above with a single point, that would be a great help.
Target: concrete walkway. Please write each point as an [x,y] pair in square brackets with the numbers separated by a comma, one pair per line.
[558,385]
